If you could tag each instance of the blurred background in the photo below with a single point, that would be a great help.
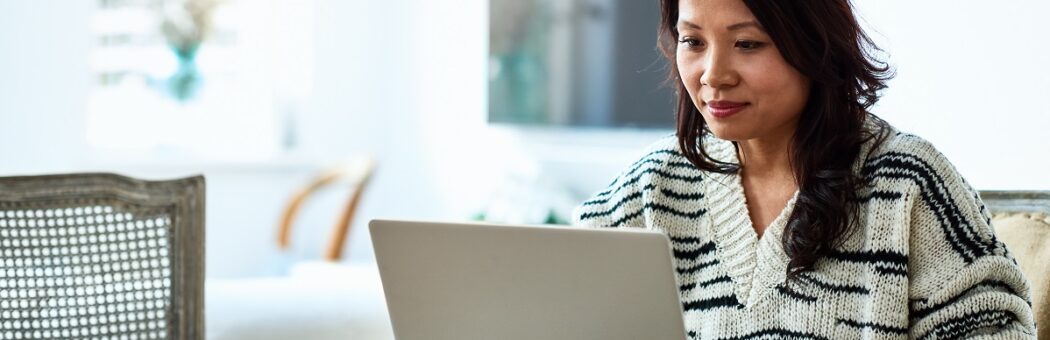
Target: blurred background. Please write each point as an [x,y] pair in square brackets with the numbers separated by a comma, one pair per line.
[500,110]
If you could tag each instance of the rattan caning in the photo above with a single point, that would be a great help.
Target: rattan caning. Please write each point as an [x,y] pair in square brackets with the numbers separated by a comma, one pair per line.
[101,256]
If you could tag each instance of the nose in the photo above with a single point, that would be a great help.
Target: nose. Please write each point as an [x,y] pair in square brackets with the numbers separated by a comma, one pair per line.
[719,71]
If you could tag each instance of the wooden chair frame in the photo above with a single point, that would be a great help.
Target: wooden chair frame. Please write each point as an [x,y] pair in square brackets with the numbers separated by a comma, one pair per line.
[1017,201]
[358,173]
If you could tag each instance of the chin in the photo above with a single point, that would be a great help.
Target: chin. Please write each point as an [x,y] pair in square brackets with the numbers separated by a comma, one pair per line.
[729,133]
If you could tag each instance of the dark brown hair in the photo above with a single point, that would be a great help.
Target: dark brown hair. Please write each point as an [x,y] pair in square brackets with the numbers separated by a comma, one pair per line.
[823,41]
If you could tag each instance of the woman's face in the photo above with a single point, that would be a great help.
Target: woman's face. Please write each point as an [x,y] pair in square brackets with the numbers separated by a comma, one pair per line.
[734,74]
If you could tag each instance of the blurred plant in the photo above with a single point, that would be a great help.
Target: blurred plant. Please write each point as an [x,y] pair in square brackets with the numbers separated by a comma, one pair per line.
[528,200]
[185,24]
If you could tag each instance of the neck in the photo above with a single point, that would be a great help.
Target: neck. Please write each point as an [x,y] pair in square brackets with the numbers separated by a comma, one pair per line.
[767,157]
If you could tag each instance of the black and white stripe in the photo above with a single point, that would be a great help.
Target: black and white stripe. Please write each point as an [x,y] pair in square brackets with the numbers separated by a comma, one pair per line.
[834,287]
[918,312]
[711,303]
[955,327]
[959,231]
[777,333]
[874,326]
[884,262]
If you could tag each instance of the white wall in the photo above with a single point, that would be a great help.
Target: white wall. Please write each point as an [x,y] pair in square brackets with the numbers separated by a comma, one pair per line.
[972,78]
[405,79]
[43,84]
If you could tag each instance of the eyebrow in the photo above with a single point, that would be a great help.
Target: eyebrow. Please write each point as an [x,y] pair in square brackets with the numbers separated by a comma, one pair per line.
[733,27]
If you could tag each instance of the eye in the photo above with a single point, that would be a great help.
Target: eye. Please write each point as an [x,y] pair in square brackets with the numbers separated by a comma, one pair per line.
[749,45]
[691,42]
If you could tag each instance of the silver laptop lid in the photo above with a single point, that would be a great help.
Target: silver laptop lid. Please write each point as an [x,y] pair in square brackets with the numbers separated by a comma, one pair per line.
[477,281]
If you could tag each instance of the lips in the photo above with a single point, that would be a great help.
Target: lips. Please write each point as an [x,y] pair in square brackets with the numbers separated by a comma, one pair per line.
[724,108]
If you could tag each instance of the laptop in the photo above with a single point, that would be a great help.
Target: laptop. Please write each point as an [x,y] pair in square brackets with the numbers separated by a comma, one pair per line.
[468,281]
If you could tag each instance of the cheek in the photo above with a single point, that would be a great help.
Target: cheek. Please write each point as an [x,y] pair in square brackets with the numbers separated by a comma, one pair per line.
[795,92]
[690,74]
[780,82]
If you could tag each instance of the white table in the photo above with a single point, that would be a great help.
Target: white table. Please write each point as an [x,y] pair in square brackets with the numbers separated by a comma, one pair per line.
[316,301]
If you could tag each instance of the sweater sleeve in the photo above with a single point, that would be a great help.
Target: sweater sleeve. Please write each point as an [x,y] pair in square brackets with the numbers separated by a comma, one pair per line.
[963,282]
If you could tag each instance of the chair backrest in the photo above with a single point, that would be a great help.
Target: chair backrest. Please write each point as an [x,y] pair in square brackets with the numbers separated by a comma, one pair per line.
[358,172]
[1022,221]
[101,256]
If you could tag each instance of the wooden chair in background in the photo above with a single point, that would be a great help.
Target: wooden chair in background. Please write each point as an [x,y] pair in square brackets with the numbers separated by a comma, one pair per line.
[316,299]
[358,173]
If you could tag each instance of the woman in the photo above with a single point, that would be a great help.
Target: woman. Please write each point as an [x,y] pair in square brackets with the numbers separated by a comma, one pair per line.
[793,212]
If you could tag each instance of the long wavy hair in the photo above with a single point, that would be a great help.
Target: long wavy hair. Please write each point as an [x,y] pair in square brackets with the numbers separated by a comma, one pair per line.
[823,40]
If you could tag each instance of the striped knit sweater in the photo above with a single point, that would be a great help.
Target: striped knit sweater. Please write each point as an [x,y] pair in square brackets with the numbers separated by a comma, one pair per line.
[924,263]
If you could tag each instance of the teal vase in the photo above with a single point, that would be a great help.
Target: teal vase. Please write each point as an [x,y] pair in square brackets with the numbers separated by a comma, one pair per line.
[184,84]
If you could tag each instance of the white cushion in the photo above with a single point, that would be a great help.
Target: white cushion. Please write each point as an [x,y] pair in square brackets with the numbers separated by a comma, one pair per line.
[1027,236]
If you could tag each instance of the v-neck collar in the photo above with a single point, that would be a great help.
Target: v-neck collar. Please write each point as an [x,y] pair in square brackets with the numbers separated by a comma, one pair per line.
[756,265]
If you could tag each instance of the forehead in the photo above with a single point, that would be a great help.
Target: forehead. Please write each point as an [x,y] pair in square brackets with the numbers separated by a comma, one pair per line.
[713,12]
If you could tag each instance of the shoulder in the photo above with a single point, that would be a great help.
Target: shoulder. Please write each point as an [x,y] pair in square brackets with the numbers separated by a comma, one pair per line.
[910,164]
[662,158]
[907,157]
[665,155]
[898,142]
[664,164]
[624,200]
[944,208]
[661,151]
[668,151]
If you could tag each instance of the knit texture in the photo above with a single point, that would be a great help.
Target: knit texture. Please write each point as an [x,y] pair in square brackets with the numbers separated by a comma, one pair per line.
[923,263]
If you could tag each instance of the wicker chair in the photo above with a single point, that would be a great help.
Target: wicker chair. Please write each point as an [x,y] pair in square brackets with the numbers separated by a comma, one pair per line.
[101,256]
[1022,221]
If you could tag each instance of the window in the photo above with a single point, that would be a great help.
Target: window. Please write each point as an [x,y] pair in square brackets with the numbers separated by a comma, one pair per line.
[574,63]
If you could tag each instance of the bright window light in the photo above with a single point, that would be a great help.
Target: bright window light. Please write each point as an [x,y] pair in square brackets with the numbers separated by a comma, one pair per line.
[199,79]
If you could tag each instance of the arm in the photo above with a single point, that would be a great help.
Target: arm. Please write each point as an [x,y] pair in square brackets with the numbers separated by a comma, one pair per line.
[963,281]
